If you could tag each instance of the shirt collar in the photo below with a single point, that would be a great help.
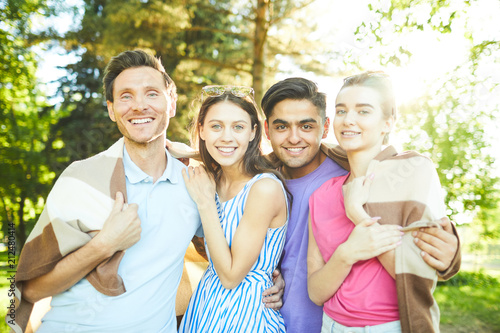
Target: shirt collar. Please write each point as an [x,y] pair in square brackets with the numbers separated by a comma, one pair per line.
[135,175]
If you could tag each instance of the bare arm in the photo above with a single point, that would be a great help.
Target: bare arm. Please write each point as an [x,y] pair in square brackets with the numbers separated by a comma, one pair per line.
[366,241]
[265,205]
[120,231]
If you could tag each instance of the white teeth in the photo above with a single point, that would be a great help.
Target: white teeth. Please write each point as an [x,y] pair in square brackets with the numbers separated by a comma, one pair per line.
[350,133]
[226,149]
[141,121]
[294,149]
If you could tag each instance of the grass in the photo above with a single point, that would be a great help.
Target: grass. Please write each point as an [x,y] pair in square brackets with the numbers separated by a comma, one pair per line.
[469,302]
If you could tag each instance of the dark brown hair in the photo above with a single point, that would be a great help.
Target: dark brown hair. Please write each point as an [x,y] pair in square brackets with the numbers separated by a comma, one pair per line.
[295,88]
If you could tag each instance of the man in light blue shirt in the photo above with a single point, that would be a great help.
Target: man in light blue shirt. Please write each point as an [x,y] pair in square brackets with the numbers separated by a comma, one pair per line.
[154,227]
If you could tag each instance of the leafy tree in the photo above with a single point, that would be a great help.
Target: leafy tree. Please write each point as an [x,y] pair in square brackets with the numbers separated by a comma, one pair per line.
[449,127]
[448,123]
[24,122]
[199,43]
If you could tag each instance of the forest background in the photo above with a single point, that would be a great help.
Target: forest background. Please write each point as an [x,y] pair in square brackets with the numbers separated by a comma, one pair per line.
[443,56]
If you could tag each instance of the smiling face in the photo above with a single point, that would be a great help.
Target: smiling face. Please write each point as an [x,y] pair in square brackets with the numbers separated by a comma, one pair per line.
[359,122]
[295,129]
[141,106]
[227,130]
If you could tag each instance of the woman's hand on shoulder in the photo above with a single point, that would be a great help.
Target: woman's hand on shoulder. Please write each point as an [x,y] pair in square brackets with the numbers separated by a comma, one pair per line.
[200,184]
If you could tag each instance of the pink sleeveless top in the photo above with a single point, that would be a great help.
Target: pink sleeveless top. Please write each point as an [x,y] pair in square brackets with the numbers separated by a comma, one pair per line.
[368,295]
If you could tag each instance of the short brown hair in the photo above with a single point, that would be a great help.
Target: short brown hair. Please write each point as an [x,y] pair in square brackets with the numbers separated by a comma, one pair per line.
[131,59]
[295,88]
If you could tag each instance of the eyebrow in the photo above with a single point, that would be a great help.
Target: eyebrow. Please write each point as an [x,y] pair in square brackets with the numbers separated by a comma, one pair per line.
[127,89]
[359,105]
[221,121]
[303,121]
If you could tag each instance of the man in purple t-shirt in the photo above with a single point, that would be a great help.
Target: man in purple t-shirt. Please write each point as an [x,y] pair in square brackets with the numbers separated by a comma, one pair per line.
[296,123]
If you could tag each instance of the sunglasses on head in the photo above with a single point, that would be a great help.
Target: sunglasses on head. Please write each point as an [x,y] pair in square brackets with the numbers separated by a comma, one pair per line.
[218,90]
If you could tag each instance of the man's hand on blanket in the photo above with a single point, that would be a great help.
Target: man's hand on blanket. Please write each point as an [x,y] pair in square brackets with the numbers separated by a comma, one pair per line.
[273,297]
[122,229]
[438,245]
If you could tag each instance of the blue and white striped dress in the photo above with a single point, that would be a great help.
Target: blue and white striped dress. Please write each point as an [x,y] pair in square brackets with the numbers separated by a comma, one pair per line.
[213,308]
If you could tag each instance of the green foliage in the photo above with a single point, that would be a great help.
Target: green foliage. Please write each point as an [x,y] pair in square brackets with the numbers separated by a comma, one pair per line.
[24,123]
[448,125]
[393,21]
[450,121]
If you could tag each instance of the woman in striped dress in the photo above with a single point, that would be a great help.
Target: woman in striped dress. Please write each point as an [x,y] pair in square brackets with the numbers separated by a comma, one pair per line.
[244,226]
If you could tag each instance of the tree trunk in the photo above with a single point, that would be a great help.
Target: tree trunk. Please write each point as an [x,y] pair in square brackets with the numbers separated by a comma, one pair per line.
[261,27]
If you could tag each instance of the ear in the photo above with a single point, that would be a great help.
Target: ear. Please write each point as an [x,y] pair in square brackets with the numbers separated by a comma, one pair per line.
[253,133]
[202,134]
[266,129]
[173,107]
[111,113]
[388,125]
[326,128]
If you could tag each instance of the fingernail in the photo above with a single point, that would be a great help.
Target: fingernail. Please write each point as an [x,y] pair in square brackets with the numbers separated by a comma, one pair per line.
[375,218]
[422,254]
[372,176]
[414,234]
[415,240]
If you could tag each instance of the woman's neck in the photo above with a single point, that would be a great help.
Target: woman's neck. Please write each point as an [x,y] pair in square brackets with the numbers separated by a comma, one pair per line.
[360,160]
[233,174]
[231,181]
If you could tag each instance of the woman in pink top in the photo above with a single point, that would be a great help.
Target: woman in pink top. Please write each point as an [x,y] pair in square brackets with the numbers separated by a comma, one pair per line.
[351,256]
